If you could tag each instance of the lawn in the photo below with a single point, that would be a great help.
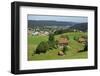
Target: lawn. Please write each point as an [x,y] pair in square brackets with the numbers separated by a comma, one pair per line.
[72,52]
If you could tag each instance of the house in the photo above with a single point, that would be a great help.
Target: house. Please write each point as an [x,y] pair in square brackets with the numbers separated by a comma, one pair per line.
[74,30]
[81,40]
[40,33]
[35,33]
[46,33]
[63,41]
[60,53]
[43,33]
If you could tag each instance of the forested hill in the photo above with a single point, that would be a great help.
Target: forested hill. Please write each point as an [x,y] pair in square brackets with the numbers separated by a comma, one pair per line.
[49,23]
[57,24]
[80,26]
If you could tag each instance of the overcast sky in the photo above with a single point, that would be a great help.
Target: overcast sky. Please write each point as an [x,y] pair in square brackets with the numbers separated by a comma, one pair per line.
[58,18]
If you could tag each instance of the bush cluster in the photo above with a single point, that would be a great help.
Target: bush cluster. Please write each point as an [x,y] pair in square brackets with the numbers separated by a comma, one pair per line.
[43,47]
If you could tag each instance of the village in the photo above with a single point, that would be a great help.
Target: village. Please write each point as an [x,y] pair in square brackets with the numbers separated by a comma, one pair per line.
[45,32]
[35,32]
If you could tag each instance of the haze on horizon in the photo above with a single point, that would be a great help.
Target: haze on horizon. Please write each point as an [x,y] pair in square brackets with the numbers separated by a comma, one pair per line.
[79,19]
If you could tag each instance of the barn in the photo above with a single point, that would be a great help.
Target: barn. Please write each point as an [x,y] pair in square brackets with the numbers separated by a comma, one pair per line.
[62,41]
[81,40]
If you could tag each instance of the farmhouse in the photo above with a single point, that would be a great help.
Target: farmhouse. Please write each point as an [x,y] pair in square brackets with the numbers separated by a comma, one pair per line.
[63,41]
[35,33]
[46,33]
[40,33]
[81,40]
[43,33]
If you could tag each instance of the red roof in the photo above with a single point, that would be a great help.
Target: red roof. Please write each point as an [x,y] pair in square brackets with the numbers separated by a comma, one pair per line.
[63,40]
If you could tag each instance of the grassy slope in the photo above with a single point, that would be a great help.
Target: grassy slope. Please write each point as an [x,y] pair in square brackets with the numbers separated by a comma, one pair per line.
[33,41]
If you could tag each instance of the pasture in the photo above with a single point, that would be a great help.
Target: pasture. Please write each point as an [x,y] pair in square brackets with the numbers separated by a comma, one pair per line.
[72,53]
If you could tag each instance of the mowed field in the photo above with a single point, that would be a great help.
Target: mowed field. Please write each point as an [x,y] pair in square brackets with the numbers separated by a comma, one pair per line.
[72,53]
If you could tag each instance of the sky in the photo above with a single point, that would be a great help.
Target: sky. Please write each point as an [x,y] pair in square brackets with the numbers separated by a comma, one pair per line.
[58,18]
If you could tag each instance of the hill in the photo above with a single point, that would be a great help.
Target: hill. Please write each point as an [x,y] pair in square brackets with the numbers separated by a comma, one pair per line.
[80,26]
[50,24]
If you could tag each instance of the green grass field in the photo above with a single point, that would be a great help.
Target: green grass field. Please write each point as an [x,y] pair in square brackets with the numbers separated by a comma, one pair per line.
[72,52]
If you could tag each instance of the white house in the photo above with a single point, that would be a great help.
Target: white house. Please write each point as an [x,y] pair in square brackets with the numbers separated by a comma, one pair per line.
[35,33]
[46,33]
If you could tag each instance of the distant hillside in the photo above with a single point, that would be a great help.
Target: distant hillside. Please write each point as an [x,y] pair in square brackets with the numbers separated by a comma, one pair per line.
[33,23]
[80,26]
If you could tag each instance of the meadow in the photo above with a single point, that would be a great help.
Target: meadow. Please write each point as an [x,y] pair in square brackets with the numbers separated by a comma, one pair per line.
[72,53]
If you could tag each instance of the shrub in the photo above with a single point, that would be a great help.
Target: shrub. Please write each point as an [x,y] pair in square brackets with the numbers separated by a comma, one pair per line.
[67,37]
[42,48]
[52,44]
[51,41]
[56,43]
[60,53]
[85,36]
[61,31]
[65,49]
[76,38]
[51,37]
[86,46]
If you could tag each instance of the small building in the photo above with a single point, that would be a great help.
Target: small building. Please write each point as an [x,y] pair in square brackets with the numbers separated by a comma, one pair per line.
[46,33]
[63,41]
[60,53]
[74,30]
[35,33]
[81,40]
